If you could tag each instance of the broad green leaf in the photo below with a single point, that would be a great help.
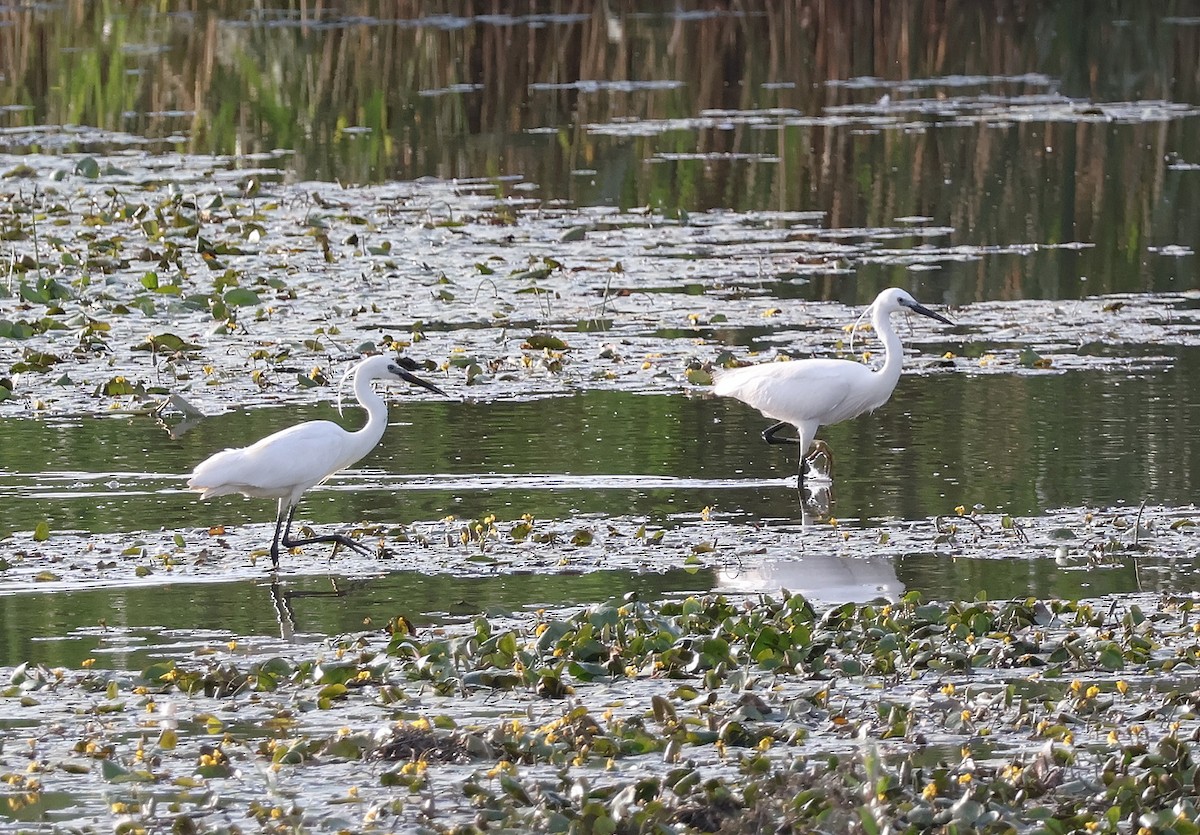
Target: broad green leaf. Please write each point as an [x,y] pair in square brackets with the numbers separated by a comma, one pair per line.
[241,297]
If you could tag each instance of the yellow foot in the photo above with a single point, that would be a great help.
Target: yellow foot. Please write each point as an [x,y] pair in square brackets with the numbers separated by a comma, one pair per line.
[819,461]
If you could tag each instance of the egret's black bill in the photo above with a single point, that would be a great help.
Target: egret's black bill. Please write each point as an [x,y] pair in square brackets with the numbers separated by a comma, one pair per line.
[406,366]
[925,311]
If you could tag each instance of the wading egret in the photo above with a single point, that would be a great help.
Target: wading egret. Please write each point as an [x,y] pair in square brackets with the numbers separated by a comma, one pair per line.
[284,465]
[811,393]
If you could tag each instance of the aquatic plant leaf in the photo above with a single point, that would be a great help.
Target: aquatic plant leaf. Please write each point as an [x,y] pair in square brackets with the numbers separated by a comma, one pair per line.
[241,297]
[87,167]
[542,341]
[118,386]
[16,330]
[166,342]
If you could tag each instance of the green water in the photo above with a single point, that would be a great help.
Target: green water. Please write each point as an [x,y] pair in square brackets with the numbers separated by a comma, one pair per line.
[1008,133]
[1019,444]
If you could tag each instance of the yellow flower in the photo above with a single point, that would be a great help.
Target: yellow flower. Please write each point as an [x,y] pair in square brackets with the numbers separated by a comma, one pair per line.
[930,791]
[1122,686]
[963,779]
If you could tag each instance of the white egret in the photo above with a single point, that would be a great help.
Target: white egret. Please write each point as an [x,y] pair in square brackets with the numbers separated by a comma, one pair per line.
[284,465]
[812,393]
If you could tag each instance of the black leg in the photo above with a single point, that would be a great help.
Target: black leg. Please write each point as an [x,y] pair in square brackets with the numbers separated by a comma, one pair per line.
[283,536]
[282,521]
[771,434]
[345,541]
[333,537]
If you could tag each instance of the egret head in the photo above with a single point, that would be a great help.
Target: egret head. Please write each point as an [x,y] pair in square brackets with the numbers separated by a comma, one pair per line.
[894,299]
[399,368]
[403,367]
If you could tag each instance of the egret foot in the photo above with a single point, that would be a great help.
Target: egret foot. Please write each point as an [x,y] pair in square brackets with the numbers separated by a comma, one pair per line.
[283,536]
[820,450]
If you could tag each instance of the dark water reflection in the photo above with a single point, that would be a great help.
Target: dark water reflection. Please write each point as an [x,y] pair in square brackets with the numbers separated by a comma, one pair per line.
[128,628]
[1018,444]
[865,112]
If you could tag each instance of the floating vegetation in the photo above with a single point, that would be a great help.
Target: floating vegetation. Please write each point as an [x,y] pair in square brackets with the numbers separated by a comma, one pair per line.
[234,292]
[698,713]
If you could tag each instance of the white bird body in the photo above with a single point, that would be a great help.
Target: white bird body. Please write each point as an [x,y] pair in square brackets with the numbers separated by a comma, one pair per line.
[287,463]
[809,393]
[812,393]
[271,469]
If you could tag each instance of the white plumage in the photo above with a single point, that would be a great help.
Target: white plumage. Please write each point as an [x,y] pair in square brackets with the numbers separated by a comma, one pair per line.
[284,465]
[812,393]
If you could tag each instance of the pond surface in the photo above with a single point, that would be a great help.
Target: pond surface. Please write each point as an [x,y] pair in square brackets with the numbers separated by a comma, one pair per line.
[208,214]
[1122,440]
[1034,127]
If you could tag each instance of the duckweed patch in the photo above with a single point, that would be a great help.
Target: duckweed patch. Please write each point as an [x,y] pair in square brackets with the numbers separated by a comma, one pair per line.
[696,714]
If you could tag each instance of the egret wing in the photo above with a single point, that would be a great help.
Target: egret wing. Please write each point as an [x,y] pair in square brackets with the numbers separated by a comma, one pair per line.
[288,461]
[820,390]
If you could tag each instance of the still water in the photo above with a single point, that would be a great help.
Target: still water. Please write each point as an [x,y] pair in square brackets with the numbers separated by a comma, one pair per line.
[1052,147]
[661,459]
[1020,444]
[127,628]
[1007,123]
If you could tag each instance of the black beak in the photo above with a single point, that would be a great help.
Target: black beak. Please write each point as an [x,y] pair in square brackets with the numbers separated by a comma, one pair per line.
[405,367]
[925,311]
